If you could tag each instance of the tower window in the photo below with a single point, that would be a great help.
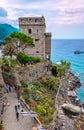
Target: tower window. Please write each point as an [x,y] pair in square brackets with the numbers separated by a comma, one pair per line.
[29,31]
[36,40]
[37,51]
[35,20]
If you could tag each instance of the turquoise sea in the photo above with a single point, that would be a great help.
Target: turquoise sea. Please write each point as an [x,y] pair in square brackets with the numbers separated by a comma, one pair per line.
[64,50]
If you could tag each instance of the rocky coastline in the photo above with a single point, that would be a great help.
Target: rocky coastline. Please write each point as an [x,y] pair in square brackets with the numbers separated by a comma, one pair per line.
[61,120]
[65,119]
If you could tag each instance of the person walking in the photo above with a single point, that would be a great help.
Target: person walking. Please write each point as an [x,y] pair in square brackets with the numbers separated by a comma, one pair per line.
[18,105]
[17,115]
[16,108]
[9,88]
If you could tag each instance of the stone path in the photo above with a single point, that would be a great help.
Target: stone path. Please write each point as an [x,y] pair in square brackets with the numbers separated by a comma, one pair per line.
[67,122]
[9,117]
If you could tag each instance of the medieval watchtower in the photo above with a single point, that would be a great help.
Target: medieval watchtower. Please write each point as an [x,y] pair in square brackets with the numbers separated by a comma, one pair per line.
[35,27]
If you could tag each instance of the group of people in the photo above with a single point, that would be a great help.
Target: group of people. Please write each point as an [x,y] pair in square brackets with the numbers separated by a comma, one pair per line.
[17,109]
[8,88]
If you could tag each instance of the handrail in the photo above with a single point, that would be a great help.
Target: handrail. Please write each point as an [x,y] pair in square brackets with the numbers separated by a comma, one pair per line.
[27,106]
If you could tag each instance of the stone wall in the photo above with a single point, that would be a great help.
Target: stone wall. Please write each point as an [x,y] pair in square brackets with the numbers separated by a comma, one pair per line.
[32,73]
[35,27]
[48,45]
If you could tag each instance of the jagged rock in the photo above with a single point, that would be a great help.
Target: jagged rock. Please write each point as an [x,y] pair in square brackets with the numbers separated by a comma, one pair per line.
[71,109]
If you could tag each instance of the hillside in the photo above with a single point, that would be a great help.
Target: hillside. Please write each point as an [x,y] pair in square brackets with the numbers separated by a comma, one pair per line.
[6,29]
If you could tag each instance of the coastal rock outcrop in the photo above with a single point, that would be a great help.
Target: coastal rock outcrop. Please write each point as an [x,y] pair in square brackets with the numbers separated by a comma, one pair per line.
[73,81]
[65,110]
[72,109]
[60,119]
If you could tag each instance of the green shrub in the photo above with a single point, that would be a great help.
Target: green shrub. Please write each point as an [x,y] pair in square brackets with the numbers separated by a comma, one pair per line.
[51,82]
[24,84]
[1,126]
[36,97]
[54,70]
[44,80]
[23,58]
[41,110]
[31,86]
[9,74]
[26,97]
[37,59]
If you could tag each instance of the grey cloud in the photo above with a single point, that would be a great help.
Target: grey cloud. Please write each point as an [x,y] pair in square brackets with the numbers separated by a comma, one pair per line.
[3,12]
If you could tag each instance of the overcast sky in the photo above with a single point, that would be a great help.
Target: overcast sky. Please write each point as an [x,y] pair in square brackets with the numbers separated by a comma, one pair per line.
[64,18]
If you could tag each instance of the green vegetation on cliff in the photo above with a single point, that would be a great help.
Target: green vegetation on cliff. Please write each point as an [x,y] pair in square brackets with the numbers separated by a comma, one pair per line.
[40,97]
[59,70]
[24,59]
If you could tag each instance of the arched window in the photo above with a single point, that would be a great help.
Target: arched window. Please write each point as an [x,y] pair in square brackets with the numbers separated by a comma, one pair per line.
[35,20]
[29,31]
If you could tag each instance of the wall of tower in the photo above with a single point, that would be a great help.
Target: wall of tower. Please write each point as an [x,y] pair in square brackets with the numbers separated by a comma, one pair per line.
[34,27]
[47,45]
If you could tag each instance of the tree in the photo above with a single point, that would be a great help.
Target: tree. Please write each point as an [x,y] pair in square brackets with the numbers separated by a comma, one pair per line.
[9,50]
[62,68]
[19,38]
[66,64]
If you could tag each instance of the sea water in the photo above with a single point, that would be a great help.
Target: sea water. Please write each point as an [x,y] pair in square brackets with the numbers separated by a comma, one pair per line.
[64,50]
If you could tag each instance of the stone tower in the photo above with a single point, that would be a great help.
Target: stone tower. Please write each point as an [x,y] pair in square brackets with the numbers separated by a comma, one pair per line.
[36,28]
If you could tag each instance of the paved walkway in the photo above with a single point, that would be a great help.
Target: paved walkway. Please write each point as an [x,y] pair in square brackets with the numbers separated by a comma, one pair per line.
[9,117]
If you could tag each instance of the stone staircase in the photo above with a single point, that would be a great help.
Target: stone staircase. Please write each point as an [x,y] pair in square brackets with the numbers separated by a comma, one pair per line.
[62,118]
[65,122]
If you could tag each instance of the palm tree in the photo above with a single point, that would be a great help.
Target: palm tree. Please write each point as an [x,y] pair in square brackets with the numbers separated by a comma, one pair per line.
[9,50]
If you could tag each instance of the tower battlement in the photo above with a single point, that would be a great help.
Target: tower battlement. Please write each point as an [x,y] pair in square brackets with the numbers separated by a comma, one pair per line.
[32,21]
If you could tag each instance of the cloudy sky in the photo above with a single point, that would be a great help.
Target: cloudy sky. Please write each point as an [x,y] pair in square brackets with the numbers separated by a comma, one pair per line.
[64,18]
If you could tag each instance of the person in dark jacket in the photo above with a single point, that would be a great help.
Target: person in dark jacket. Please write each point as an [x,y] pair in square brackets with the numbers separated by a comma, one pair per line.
[16,108]
[17,115]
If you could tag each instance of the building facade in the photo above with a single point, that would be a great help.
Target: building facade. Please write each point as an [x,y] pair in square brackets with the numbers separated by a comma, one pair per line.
[36,28]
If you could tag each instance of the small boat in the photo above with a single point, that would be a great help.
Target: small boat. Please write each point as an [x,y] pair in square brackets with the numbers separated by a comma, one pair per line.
[78,52]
